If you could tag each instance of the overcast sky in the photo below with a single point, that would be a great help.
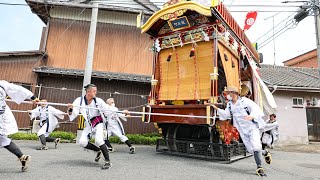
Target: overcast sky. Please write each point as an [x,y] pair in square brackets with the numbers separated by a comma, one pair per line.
[20,29]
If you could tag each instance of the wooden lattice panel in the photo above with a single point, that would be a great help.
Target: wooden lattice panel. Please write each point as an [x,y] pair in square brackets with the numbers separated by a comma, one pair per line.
[185,77]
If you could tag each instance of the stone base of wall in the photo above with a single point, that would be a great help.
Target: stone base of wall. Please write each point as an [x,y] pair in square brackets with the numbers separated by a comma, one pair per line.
[292,140]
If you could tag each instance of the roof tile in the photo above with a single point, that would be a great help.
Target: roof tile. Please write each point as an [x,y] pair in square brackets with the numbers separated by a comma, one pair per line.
[290,76]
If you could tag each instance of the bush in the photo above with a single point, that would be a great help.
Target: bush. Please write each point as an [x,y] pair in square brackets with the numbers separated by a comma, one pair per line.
[63,135]
[146,139]
[151,134]
[23,136]
[57,134]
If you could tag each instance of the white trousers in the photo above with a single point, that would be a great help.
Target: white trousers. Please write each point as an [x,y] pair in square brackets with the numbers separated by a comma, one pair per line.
[267,139]
[43,130]
[4,141]
[115,130]
[98,135]
[252,141]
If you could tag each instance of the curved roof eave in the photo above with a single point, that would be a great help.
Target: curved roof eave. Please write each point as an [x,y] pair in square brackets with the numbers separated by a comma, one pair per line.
[173,8]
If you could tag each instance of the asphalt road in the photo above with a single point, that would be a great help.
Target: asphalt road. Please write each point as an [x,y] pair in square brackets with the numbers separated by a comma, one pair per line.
[70,161]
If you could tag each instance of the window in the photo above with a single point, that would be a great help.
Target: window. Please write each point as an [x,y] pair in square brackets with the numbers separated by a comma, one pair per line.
[314,101]
[297,101]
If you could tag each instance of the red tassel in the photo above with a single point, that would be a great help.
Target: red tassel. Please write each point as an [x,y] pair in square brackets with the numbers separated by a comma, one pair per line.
[192,52]
[169,57]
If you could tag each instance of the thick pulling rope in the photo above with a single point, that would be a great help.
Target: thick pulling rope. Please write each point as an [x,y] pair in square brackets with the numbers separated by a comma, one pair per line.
[63,122]
[108,110]
[21,111]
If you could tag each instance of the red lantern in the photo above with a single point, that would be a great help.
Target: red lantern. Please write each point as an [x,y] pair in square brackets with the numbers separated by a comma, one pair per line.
[231,40]
[192,52]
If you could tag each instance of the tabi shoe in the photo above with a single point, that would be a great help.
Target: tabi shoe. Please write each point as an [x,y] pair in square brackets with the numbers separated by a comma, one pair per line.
[56,142]
[43,148]
[132,149]
[107,165]
[110,149]
[24,159]
[260,172]
[98,156]
[267,157]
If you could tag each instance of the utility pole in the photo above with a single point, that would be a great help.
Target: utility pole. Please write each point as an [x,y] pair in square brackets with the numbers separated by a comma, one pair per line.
[317,28]
[90,49]
[90,54]
[315,6]
[274,43]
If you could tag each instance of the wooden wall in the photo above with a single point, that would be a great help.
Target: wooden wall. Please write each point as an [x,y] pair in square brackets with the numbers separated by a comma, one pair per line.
[18,69]
[118,48]
[52,91]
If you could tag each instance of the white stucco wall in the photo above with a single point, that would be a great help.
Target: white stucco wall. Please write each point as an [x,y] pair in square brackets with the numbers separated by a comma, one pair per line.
[292,121]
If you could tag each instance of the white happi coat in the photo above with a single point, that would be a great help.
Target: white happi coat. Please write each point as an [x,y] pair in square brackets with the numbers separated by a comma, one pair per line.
[270,133]
[8,124]
[89,114]
[115,126]
[249,130]
[48,114]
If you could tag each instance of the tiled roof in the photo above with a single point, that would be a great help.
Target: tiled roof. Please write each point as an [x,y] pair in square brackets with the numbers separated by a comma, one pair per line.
[96,74]
[290,76]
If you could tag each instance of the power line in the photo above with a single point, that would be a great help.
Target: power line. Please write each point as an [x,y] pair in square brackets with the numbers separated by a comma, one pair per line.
[275,26]
[137,52]
[289,23]
[262,5]
[267,41]
[231,4]
[264,11]
[268,11]
[54,43]
[13,4]
[153,3]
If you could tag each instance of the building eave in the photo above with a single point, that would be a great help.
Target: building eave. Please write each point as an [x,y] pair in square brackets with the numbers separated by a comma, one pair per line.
[148,4]
[288,61]
[173,8]
[21,53]
[42,9]
[95,74]
[292,88]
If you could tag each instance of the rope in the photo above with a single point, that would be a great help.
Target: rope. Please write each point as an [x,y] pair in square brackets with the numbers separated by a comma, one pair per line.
[108,110]
[134,107]
[21,111]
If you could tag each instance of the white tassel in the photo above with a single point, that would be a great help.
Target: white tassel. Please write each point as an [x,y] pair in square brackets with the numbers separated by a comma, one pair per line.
[181,43]
[205,35]
[157,45]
